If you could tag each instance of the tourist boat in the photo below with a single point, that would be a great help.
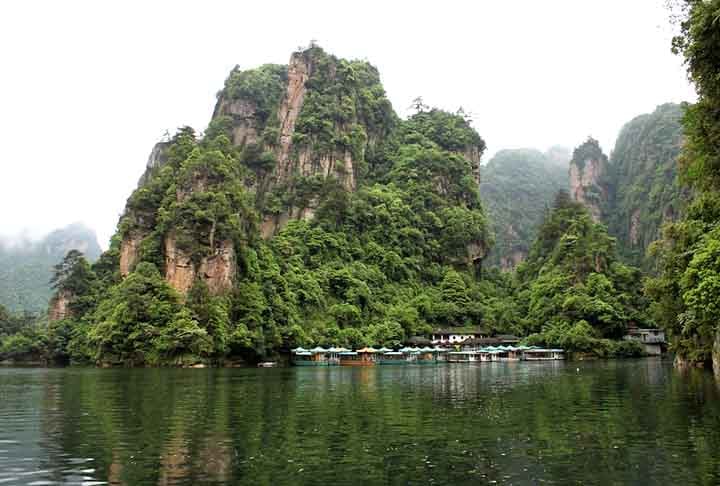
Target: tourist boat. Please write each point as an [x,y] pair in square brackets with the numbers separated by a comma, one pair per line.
[333,355]
[462,356]
[410,354]
[426,356]
[487,355]
[304,357]
[357,358]
[507,353]
[392,358]
[539,354]
[441,354]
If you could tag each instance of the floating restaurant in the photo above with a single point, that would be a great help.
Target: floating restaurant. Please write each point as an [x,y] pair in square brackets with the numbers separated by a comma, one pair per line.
[469,353]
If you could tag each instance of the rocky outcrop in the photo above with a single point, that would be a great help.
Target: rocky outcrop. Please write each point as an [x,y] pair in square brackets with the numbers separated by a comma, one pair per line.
[473,154]
[634,227]
[511,260]
[60,306]
[245,124]
[645,191]
[129,251]
[588,178]
[476,251]
[179,268]
[158,157]
[289,111]
[217,270]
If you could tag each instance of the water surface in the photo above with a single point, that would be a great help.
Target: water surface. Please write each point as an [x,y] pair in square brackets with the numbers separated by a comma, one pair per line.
[615,422]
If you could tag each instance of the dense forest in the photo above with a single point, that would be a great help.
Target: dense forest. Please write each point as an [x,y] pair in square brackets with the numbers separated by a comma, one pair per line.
[645,188]
[686,291]
[310,213]
[26,265]
[517,186]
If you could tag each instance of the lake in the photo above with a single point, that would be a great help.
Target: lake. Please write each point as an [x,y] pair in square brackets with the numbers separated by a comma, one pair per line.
[602,422]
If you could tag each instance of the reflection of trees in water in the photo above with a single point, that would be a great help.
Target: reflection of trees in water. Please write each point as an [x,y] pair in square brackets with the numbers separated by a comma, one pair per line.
[453,424]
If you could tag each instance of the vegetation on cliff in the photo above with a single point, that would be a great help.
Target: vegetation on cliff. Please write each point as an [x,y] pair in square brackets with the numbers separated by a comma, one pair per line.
[517,186]
[573,290]
[26,265]
[643,174]
[309,213]
[375,261]
[686,293]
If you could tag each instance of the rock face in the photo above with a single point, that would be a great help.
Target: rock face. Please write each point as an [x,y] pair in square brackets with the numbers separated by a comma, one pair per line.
[129,248]
[299,153]
[216,270]
[289,111]
[302,131]
[588,178]
[157,158]
[645,192]
[517,187]
[243,114]
[60,306]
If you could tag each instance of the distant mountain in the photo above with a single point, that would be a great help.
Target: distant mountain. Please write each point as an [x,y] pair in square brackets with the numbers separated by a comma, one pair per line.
[26,264]
[646,192]
[517,186]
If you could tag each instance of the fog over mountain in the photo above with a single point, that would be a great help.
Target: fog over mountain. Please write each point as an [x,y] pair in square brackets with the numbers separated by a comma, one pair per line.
[83,100]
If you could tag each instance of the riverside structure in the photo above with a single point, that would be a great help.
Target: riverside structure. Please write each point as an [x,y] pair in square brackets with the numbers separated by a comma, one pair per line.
[369,356]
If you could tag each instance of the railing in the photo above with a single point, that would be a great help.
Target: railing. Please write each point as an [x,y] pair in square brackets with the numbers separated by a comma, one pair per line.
[646,339]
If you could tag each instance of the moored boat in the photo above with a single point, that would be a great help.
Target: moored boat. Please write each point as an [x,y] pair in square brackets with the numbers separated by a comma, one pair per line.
[304,357]
[539,354]
[462,356]
[392,358]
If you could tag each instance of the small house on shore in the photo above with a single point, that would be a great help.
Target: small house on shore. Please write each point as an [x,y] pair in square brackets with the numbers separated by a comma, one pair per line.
[457,335]
[653,340]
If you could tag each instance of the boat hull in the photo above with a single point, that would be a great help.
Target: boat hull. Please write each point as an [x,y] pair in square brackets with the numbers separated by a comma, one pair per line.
[310,363]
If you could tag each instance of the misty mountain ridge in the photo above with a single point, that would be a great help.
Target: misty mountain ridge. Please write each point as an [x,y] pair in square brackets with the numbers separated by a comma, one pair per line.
[26,264]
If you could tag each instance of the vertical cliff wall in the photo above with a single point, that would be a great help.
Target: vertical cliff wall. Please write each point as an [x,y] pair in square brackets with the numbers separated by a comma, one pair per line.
[646,192]
[588,176]
[518,185]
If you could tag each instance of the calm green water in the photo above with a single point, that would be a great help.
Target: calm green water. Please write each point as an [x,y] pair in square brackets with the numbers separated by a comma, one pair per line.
[624,422]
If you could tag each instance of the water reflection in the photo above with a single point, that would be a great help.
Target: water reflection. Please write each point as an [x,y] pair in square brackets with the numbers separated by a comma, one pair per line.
[637,422]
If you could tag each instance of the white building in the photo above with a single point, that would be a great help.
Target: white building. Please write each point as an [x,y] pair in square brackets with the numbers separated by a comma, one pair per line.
[455,336]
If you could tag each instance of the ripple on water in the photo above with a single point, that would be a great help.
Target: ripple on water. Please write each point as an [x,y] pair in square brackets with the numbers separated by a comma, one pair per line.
[632,422]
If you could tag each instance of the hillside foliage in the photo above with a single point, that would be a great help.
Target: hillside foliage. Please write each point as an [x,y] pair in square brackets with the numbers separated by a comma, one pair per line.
[517,187]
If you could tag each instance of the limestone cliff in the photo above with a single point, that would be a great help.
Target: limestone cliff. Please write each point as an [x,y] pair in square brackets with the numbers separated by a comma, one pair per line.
[643,177]
[282,140]
[518,185]
[588,178]
[60,306]
[313,122]
[217,270]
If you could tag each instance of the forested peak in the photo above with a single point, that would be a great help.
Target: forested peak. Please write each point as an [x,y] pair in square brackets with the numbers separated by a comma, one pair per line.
[517,157]
[587,151]
[663,124]
[517,185]
[567,236]
[643,175]
[450,131]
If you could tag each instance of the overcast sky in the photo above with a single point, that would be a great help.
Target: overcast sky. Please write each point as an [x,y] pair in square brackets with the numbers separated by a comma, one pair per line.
[87,88]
